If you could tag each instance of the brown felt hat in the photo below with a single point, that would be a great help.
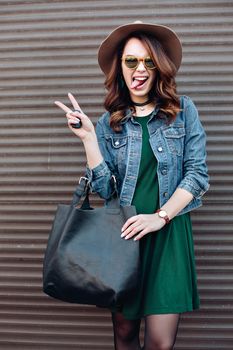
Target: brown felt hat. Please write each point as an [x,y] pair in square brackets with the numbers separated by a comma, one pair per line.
[167,38]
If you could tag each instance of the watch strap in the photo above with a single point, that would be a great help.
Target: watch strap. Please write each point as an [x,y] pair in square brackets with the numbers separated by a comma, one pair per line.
[166,218]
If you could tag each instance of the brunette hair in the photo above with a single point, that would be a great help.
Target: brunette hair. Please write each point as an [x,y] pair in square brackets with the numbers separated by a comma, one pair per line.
[163,91]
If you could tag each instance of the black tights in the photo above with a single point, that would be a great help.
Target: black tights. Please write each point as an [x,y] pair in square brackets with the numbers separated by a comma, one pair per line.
[160,332]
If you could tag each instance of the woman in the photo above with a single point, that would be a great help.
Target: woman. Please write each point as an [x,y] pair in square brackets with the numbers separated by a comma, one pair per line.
[152,141]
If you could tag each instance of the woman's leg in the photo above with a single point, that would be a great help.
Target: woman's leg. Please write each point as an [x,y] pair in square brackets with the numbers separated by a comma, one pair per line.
[126,332]
[161,331]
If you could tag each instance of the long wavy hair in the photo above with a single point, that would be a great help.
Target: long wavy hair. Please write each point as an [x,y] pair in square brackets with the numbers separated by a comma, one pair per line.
[163,91]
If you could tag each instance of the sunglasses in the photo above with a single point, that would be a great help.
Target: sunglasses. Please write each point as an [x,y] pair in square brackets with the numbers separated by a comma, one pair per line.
[133,62]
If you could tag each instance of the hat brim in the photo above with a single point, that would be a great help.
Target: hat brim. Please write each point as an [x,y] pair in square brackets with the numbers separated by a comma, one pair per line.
[167,38]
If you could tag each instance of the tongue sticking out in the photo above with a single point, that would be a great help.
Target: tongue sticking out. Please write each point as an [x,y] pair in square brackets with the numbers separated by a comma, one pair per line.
[135,83]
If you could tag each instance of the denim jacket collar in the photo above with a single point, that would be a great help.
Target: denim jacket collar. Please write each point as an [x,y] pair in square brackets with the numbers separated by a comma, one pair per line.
[129,115]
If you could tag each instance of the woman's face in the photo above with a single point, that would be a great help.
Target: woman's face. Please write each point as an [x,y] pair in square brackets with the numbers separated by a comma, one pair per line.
[139,80]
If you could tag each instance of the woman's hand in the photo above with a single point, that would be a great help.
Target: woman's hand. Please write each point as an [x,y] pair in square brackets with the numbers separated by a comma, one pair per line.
[87,128]
[140,225]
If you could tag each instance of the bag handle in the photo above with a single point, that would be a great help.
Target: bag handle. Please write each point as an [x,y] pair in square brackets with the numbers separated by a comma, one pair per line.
[83,188]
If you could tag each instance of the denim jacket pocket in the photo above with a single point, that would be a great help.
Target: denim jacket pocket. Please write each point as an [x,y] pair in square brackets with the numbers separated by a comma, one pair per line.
[118,142]
[174,137]
[117,146]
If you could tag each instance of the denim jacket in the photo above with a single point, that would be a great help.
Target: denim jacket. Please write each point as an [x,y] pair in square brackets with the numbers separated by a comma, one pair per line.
[179,148]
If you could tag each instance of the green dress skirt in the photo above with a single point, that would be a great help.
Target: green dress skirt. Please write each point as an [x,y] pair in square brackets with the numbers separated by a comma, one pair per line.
[168,280]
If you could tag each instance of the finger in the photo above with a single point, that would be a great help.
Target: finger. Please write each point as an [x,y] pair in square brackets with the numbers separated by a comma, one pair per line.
[73,121]
[74,102]
[141,234]
[129,222]
[74,118]
[72,115]
[134,231]
[63,107]
[130,228]
[77,113]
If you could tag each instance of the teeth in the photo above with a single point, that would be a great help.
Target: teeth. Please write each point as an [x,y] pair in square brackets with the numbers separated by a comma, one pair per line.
[141,78]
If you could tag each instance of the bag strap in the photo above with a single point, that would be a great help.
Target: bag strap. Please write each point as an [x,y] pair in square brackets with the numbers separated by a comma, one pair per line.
[84,188]
[81,190]
[114,201]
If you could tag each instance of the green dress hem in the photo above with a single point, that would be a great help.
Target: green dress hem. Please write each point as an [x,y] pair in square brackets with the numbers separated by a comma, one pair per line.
[163,311]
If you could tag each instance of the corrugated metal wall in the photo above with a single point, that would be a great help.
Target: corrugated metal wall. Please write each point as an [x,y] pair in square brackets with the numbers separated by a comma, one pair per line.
[48,48]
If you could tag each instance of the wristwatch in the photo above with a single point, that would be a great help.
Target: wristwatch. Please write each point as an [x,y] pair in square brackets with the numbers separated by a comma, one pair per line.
[163,215]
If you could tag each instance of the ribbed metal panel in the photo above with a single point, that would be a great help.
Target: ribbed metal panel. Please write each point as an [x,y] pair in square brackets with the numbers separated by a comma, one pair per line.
[48,48]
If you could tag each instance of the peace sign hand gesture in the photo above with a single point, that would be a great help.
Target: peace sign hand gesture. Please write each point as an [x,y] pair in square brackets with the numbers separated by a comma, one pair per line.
[76,117]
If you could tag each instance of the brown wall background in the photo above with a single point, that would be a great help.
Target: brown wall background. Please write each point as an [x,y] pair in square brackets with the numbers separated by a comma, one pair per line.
[48,48]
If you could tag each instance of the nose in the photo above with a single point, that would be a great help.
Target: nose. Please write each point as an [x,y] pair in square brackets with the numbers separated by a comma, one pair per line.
[141,67]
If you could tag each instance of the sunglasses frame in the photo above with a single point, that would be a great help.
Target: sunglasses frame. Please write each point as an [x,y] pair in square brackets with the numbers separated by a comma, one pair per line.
[138,61]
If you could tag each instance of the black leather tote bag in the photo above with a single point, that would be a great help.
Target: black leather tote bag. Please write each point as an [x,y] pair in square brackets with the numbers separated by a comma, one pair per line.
[86,260]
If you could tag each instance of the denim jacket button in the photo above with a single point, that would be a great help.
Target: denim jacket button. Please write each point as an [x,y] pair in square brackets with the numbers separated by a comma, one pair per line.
[165,194]
[160,149]
[164,171]
[116,143]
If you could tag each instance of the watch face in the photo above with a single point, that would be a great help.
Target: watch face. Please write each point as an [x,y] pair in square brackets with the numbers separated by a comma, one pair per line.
[162,214]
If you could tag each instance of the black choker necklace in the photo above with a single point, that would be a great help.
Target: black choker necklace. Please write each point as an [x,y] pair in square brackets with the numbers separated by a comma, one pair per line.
[141,104]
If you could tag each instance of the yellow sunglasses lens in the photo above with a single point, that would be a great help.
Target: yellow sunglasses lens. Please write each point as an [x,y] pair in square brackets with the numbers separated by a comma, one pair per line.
[149,63]
[131,61]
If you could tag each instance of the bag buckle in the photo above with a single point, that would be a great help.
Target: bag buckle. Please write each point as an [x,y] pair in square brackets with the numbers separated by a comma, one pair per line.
[114,179]
[83,178]
[84,183]
[114,183]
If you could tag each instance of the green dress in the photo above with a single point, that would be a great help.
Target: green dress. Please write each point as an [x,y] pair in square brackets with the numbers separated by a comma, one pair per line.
[168,281]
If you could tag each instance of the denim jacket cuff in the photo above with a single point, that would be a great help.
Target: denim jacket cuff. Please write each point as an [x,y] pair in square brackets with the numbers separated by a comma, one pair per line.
[193,188]
[99,171]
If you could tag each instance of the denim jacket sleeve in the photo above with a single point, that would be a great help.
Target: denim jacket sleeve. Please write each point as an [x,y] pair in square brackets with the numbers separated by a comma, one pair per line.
[100,176]
[195,179]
